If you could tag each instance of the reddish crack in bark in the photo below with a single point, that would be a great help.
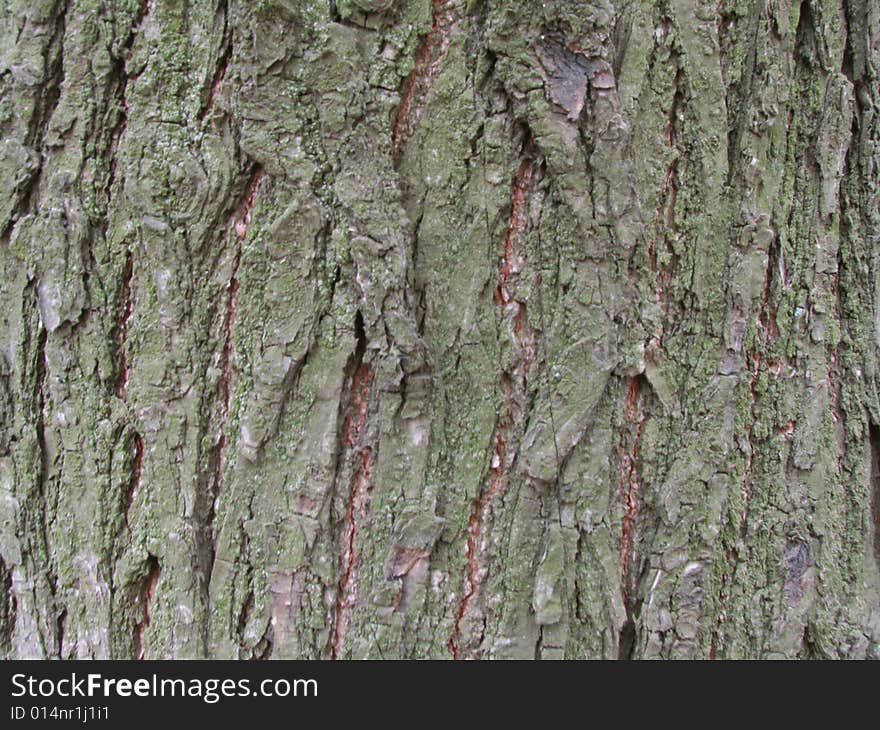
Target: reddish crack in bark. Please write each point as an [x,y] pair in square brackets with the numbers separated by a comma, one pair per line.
[217,81]
[514,253]
[356,417]
[241,222]
[125,319]
[665,213]
[136,474]
[122,125]
[630,495]
[11,605]
[404,559]
[243,215]
[874,489]
[479,514]
[523,337]
[630,486]
[430,55]
[359,501]
[149,589]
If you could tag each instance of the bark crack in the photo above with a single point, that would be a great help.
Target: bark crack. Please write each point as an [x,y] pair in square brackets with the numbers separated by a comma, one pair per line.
[137,471]
[222,65]
[665,264]
[359,455]
[41,553]
[38,124]
[241,223]
[874,487]
[127,306]
[755,362]
[8,607]
[148,590]
[430,55]
[512,383]
[121,124]
[630,490]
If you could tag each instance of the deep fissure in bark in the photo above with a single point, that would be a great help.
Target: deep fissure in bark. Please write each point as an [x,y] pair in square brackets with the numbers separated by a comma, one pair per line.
[127,308]
[147,594]
[137,471]
[630,489]
[512,383]
[429,56]
[357,455]
[874,486]
[240,224]
[8,608]
[222,64]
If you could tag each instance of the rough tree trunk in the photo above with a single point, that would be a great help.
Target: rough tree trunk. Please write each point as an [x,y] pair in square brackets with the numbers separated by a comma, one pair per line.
[400,328]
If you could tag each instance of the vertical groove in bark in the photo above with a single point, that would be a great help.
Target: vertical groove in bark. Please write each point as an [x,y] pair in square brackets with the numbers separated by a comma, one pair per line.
[42,550]
[630,494]
[427,62]
[241,222]
[512,384]
[147,594]
[769,331]
[358,510]
[127,307]
[664,227]
[50,94]
[122,78]
[137,472]
[216,79]
[7,609]
[874,489]
[357,455]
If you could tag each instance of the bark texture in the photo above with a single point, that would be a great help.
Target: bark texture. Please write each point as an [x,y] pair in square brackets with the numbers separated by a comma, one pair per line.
[439,328]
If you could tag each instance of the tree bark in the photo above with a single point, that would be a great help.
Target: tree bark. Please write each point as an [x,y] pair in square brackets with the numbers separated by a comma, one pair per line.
[439,328]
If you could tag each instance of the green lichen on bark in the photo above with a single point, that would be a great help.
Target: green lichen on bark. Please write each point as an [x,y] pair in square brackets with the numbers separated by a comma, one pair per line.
[433,328]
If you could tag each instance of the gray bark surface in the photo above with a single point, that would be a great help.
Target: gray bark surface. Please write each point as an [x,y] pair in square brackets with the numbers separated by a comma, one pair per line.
[439,328]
